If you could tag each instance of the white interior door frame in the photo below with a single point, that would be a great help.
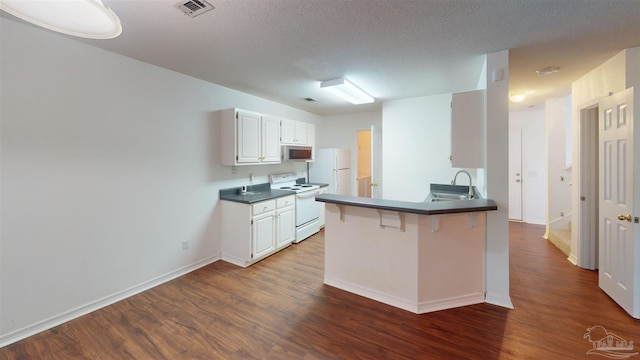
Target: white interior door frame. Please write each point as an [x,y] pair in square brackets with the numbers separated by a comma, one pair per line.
[515,175]
[376,162]
[587,233]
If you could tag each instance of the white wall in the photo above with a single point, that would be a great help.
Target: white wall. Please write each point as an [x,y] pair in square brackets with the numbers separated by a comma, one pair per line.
[108,164]
[416,146]
[497,181]
[534,169]
[559,183]
[342,132]
[614,75]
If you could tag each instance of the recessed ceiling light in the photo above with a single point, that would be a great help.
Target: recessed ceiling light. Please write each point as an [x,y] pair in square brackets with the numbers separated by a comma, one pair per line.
[82,18]
[547,71]
[517,98]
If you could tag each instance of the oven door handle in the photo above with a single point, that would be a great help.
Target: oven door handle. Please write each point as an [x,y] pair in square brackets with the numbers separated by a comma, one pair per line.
[308,194]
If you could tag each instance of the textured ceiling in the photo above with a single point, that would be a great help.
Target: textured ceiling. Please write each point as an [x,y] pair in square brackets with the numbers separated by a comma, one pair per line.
[393,49]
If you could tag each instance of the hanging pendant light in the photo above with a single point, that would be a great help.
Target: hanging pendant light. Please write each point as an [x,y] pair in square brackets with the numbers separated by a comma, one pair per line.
[82,18]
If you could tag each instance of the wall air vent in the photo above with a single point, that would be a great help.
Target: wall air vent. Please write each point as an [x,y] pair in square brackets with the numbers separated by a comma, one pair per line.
[194,8]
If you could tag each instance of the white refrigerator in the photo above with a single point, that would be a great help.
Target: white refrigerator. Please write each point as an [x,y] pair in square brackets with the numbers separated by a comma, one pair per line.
[333,167]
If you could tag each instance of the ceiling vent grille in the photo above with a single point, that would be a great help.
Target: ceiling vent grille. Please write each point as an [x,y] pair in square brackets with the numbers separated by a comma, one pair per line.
[194,8]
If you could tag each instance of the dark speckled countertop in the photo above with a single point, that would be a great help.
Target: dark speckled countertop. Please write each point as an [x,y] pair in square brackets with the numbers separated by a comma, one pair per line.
[319,184]
[421,208]
[256,193]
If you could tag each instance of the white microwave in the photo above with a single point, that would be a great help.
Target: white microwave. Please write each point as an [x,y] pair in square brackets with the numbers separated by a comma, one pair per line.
[297,153]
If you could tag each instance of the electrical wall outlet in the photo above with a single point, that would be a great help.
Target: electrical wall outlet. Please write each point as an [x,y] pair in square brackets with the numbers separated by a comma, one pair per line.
[185,245]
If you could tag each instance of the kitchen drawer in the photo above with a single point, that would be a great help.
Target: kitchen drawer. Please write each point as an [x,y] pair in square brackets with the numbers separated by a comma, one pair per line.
[285,201]
[263,207]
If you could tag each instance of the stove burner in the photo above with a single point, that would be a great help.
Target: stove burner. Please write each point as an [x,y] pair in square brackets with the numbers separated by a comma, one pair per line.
[289,182]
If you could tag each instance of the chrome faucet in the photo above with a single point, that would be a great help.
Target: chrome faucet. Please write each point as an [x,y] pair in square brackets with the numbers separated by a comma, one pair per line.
[453,182]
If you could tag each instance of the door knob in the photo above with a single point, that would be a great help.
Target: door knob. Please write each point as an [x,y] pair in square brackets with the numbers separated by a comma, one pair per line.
[624,217]
[517,180]
[373,184]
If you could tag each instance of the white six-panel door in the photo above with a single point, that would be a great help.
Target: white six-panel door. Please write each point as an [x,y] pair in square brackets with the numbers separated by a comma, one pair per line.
[619,252]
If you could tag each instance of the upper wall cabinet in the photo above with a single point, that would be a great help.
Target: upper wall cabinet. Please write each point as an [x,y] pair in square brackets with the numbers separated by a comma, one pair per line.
[467,129]
[294,132]
[311,139]
[249,138]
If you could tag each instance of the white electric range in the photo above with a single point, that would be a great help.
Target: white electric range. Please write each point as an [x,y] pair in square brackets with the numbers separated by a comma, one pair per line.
[307,209]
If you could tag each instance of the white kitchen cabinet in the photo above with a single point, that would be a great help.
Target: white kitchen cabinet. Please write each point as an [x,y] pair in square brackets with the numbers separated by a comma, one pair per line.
[300,131]
[268,226]
[285,221]
[467,129]
[311,139]
[249,138]
[287,131]
[263,232]
[293,132]
[323,190]
[270,145]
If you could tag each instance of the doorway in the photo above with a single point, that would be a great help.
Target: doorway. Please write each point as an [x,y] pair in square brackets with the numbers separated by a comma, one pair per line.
[589,184]
[364,163]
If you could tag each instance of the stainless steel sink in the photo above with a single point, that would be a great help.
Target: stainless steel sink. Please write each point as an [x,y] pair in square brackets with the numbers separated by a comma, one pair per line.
[446,196]
[250,193]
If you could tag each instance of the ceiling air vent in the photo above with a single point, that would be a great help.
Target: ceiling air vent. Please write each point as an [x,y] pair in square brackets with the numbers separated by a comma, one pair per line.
[194,8]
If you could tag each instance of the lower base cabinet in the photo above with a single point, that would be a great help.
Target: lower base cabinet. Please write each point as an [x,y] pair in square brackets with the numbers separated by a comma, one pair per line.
[270,226]
[285,221]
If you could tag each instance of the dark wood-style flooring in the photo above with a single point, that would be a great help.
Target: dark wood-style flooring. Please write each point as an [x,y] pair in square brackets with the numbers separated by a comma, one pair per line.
[280,309]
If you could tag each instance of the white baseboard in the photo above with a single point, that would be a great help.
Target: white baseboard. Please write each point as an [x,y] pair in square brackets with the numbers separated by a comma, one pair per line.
[499,300]
[536,221]
[573,259]
[408,305]
[234,260]
[373,294]
[100,303]
[561,223]
[450,303]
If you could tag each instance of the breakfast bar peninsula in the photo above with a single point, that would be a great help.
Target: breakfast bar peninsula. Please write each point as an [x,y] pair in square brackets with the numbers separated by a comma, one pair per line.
[420,257]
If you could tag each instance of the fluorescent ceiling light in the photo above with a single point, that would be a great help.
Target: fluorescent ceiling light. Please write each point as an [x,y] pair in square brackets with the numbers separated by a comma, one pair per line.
[83,18]
[347,91]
